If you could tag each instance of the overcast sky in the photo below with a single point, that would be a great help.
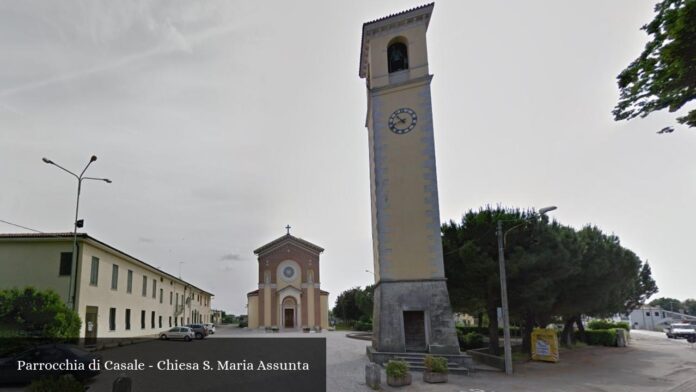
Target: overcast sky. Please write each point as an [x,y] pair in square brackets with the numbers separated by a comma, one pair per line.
[221,121]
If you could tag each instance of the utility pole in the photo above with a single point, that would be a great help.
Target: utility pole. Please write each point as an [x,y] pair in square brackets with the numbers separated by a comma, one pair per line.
[504,299]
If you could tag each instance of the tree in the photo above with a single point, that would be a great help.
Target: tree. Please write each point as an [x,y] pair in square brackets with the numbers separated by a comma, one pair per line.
[364,299]
[646,287]
[690,306]
[664,75]
[552,271]
[346,307]
[667,303]
[471,267]
[34,313]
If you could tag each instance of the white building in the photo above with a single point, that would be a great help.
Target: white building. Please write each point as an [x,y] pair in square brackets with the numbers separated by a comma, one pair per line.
[655,318]
[117,295]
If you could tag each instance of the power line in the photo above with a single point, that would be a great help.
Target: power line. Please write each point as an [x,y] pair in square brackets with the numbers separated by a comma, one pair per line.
[20,226]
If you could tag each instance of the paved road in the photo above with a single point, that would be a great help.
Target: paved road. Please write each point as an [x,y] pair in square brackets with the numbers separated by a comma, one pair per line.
[651,363]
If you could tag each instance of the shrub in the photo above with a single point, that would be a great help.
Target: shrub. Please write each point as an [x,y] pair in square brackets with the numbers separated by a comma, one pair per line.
[36,313]
[607,324]
[397,368]
[363,326]
[436,364]
[243,324]
[470,340]
[66,383]
[601,337]
[514,331]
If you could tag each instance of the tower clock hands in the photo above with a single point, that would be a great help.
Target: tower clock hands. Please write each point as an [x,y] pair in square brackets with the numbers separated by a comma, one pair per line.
[401,125]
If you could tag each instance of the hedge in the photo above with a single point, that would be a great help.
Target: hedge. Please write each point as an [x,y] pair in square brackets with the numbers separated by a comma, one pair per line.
[600,337]
[514,331]
[606,324]
[470,340]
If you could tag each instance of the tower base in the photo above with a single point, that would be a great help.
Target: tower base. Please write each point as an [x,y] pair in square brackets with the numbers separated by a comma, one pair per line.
[413,316]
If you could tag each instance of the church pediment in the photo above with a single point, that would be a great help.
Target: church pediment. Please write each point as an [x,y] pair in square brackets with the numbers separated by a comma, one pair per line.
[290,289]
[289,239]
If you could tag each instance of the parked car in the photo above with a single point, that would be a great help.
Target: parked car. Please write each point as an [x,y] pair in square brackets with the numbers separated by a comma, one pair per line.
[211,328]
[199,330]
[185,333]
[79,359]
[681,330]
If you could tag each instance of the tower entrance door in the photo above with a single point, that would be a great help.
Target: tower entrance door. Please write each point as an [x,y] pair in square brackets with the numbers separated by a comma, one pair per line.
[414,331]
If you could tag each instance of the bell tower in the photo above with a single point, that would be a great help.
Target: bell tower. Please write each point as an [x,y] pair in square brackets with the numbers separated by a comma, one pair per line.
[412,310]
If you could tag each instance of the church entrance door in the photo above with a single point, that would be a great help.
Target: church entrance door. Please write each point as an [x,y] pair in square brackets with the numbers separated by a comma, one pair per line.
[289,318]
[289,313]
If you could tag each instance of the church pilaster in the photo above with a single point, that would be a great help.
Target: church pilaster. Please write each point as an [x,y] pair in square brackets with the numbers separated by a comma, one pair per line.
[261,305]
[274,307]
[317,306]
[305,306]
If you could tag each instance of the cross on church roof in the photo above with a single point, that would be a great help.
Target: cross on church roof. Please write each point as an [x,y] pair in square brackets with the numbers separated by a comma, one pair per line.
[288,229]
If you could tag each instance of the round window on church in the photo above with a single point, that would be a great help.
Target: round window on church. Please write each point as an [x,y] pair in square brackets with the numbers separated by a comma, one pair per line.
[288,272]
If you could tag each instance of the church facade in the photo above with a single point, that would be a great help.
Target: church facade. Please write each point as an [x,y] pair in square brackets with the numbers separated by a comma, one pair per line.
[289,295]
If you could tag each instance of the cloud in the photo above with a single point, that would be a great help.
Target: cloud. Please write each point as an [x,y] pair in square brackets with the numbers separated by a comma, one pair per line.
[231,257]
[133,27]
[145,240]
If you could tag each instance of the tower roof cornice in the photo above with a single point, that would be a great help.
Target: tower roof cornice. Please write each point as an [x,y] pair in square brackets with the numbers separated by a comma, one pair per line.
[414,15]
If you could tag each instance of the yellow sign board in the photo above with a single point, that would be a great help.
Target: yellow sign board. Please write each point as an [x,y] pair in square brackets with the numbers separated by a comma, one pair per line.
[544,345]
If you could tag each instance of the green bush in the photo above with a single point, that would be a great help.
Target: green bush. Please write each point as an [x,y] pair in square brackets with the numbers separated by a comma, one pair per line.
[35,313]
[66,383]
[470,340]
[397,368]
[363,326]
[243,324]
[514,331]
[436,364]
[607,324]
[600,337]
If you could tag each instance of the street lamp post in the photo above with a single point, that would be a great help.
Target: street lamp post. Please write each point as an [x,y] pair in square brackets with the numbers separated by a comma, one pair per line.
[76,223]
[503,288]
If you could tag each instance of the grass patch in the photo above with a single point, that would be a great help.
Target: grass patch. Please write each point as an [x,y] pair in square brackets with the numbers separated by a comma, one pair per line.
[519,356]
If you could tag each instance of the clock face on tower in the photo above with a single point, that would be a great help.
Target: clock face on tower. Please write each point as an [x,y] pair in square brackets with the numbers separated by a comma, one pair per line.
[402,120]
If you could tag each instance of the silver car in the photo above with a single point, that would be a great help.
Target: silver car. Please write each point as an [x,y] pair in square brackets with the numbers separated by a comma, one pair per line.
[185,333]
[210,327]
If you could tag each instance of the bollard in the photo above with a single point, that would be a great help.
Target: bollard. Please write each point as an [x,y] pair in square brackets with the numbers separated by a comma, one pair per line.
[373,376]
[122,384]
[621,337]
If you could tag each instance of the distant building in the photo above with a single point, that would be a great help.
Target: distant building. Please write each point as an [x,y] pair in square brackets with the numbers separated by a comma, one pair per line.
[216,316]
[464,319]
[655,318]
[117,295]
[289,294]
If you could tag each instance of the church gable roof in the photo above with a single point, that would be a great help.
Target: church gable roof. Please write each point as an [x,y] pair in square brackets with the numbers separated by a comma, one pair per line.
[288,238]
[290,288]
